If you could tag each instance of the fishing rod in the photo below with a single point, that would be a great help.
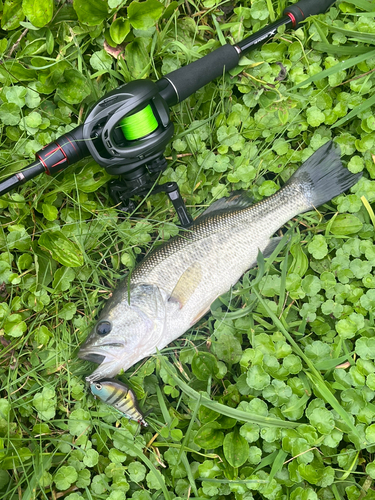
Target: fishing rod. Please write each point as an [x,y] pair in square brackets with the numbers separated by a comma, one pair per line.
[127,130]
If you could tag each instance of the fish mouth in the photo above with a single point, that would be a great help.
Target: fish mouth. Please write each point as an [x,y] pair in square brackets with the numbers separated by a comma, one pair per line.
[96,355]
[91,356]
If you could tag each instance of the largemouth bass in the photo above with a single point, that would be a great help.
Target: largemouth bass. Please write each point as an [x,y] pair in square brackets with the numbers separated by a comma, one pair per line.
[174,286]
[118,395]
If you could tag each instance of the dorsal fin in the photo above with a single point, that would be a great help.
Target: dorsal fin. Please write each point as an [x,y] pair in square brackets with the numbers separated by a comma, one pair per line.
[236,201]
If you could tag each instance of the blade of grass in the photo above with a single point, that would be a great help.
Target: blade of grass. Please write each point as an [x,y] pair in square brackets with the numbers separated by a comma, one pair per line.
[329,225]
[301,403]
[211,456]
[277,464]
[240,313]
[163,406]
[362,14]
[351,34]
[354,112]
[230,481]
[266,461]
[187,434]
[40,465]
[340,50]
[189,472]
[350,469]
[283,287]
[319,30]
[218,31]
[334,69]
[362,4]
[139,453]
[271,10]
[226,410]
[314,376]
[336,492]
[182,453]
[327,395]
[194,127]
[369,209]
[263,265]
[328,364]
[88,493]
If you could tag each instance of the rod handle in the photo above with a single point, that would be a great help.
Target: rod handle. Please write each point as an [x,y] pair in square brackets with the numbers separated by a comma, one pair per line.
[180,84]
[64,151]
[304,8]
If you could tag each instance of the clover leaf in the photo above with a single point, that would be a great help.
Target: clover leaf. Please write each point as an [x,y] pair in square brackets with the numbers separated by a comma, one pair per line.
[318,247]
[45,403]
[65,477]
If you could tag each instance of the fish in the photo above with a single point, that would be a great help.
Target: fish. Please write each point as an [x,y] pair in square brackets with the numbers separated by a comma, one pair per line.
[118,395]
[175,284]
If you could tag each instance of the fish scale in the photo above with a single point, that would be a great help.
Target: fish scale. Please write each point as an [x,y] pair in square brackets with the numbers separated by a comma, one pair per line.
[223,234]
[175,284]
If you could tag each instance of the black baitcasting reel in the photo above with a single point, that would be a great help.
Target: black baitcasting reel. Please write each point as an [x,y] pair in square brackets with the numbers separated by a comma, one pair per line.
[127,131]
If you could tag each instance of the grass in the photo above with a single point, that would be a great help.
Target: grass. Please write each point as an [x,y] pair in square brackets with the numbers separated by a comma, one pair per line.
[282,370]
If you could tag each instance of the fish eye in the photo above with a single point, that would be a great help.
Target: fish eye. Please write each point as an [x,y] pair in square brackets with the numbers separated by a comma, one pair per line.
[103,327]
[98,386]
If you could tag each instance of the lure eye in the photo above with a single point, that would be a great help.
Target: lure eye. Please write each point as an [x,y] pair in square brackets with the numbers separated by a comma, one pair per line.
[98,386]
[103,328]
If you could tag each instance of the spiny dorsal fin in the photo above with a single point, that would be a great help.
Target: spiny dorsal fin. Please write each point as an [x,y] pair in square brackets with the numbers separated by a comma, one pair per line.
[187,284]
[236,201]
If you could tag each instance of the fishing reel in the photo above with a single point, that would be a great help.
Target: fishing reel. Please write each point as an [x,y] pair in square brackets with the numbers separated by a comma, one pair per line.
[127,131]
[128,128]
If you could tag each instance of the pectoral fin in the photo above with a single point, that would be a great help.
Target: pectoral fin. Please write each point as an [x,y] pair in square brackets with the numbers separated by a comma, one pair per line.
[187,284]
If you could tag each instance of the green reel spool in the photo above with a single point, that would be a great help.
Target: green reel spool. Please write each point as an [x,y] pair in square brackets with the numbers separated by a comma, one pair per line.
[139,124]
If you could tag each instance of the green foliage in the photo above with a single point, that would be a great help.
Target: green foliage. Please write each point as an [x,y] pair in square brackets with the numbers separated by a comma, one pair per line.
[65,477]
[63,250]
[236,449]
[274,395]
[38,12]
[143,15]
[45,403]
[204,365]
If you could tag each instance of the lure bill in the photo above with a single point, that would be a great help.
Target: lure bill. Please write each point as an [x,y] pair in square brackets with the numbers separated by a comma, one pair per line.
[118,395]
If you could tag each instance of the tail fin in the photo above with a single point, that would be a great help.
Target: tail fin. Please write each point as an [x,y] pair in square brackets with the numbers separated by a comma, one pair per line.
[322,176]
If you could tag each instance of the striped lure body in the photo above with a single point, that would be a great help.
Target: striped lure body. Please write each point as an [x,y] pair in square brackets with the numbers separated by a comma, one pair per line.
[118,395]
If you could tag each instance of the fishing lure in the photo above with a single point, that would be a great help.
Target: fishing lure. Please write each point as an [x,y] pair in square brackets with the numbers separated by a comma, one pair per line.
[118,395]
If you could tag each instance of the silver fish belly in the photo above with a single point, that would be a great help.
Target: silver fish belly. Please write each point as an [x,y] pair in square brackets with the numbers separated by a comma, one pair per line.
[176,284]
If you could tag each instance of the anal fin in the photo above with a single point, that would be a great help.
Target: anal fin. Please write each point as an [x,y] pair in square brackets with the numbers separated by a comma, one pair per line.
[271,246]
[200,315]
